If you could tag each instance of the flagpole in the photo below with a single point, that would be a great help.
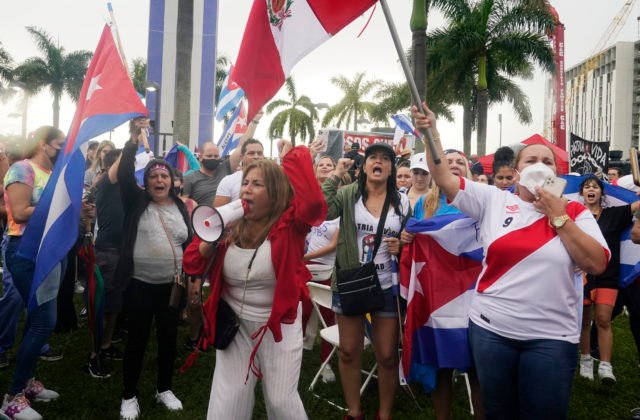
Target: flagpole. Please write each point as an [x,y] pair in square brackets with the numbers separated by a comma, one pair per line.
[407,72]
[112,16]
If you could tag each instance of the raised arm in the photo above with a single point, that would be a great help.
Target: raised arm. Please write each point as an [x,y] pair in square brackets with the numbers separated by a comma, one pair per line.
[330,189]
[296,164]
[441,175]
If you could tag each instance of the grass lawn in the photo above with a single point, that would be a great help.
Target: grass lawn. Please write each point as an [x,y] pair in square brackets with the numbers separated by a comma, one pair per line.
[83,397]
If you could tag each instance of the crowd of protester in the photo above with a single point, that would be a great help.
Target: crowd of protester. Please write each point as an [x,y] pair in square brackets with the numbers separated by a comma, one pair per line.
[311,217]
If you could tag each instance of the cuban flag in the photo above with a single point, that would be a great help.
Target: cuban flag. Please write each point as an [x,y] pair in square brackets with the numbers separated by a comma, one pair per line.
[438,274]
[142,158]
[616,196]
[177,158]
[278,34]
[107,100]
[233,130]
[230,96]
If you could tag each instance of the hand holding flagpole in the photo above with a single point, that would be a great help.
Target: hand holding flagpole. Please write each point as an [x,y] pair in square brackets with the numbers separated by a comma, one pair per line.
[407,72]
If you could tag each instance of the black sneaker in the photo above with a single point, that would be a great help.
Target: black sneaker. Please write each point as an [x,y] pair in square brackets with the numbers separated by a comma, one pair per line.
[96,368]
[4,360]
[83,313]
[111,353]
[51,355]
[117,337]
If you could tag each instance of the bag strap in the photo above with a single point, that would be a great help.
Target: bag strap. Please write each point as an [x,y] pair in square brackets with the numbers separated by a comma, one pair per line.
[166,231]
[381,222]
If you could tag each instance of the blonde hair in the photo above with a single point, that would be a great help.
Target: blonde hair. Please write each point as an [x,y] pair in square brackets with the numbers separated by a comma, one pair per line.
[97,162]
[280,192]
[432,199]
[45,134]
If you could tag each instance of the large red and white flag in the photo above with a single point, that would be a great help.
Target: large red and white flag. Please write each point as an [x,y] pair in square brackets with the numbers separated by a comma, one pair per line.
[279,33]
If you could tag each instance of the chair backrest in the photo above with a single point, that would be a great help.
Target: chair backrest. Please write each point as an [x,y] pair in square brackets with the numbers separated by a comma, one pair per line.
[320,294]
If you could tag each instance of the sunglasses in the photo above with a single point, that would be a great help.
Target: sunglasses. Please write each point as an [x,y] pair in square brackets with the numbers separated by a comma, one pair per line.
[449,151]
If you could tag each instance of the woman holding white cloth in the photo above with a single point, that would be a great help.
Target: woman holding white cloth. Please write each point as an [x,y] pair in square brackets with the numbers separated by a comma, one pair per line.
[524,318]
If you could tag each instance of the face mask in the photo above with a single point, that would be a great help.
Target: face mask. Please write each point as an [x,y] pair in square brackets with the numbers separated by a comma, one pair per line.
[177,190]
[210,164]
[54,158]
[533,176]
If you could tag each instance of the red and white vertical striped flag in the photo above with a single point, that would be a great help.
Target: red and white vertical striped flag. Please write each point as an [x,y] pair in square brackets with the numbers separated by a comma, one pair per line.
[279,33]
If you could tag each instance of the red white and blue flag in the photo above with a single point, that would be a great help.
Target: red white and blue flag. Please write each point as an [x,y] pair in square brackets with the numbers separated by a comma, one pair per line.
[616,196]
[233,130]
[107,100]
[230,96]
[278,34]
[438,273]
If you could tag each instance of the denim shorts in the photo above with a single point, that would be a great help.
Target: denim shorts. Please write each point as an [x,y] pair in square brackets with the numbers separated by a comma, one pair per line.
[389,310]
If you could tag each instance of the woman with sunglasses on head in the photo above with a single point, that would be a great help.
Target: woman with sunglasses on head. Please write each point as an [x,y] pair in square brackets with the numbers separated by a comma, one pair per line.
[601,290]
[434,203]
[524,321]
[360,207]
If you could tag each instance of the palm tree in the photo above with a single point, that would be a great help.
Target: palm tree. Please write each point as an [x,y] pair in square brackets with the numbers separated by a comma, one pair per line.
[352,105]
[222,69]
[6,72]
[489,38]
[299,115]
[59,71]
[139,74]
[396,97]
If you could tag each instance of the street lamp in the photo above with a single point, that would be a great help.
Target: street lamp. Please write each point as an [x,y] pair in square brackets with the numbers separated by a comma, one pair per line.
[17,86]
[151,86]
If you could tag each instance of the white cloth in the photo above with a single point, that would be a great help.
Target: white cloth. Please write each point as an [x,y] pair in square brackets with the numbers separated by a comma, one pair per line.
[280,364]
[230,186]
[260,286]
[526,289]
[366,228]
[320,237]
[152,256]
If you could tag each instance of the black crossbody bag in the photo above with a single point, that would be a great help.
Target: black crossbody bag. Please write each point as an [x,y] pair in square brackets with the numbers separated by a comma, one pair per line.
[359,288]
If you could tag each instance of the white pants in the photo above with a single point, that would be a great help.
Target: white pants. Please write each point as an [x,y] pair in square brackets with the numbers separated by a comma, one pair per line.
[280,364]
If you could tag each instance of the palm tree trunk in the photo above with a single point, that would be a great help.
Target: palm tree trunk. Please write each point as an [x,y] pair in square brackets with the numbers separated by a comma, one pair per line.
[418,25]
[355,120]
[56,109]
[184,44]
[483,105]
[466,127]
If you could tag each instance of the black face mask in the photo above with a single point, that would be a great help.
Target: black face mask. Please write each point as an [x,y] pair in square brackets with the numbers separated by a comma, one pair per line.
[210,164]
[177,190]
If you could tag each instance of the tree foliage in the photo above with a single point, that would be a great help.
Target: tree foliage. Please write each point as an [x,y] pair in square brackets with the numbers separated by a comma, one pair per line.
[353,104]
[297,117]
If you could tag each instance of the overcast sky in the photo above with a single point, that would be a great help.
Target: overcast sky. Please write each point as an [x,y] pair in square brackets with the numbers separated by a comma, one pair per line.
[77,24]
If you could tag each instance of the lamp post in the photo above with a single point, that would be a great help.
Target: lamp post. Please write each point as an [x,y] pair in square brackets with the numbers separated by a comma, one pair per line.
[151,86]
[21,87]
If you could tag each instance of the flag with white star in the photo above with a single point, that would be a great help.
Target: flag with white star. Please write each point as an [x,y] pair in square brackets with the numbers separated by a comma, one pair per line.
[107,100]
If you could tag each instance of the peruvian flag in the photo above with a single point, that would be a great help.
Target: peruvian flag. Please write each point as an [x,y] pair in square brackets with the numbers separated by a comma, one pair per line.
[279,33]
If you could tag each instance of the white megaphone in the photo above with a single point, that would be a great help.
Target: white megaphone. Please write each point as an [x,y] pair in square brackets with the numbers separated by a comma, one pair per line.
[209,223]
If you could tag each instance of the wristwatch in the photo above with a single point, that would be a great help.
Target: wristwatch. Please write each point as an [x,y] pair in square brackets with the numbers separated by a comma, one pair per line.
[558,222]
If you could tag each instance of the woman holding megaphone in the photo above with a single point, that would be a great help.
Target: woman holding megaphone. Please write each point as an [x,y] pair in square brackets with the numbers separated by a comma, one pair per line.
[258,277]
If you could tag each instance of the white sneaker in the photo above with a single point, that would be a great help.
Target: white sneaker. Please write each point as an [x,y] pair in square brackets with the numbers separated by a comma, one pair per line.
[78,288]
[169,400]
[35,391]
[129,409]
[327,374]
[586,367]
[605,372]
[19,408]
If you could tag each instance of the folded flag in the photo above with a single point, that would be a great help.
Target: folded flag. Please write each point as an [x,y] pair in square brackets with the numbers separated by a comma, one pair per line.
[278,34]
[438,273]
[107,100]
[230,97]
[233,130]
[616,196]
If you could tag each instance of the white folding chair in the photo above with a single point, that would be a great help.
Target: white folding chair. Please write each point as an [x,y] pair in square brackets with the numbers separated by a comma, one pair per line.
[321,297]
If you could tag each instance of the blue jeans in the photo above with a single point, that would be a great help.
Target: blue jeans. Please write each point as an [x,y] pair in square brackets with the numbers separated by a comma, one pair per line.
[11,305]
[529,379]
[40,322]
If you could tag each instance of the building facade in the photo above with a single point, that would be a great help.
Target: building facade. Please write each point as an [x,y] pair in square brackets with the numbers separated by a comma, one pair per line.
[603,97]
